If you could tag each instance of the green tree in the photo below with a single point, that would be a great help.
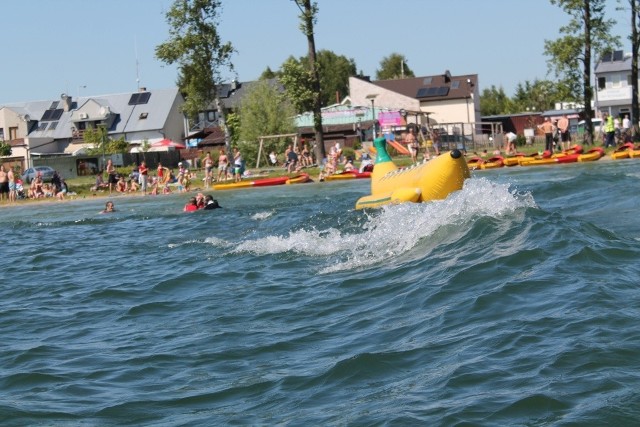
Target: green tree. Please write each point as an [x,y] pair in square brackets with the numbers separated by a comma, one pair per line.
[587,32]
[5,149]
[394,66]
[308,18]
[335,71]
[264,111]
[494,101]
[233,123]
[195,45]
[102,142]
[267,74]
[541,95]
[118,145]
[296,80]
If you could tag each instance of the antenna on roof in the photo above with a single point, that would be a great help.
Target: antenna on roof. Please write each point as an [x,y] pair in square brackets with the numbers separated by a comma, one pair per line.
[135,42]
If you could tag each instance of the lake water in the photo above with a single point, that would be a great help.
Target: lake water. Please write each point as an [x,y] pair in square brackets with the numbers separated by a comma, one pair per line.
[513,302]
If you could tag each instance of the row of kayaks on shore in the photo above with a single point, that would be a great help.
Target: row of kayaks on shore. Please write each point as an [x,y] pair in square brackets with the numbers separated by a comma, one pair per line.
[574,154]
[265,182]
[283,180]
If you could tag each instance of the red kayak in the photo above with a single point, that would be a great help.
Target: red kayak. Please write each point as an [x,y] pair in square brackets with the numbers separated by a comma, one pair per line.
[261,182]
[354,174]
[264,182]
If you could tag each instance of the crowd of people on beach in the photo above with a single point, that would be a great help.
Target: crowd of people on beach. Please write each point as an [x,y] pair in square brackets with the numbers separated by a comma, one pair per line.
[12,186]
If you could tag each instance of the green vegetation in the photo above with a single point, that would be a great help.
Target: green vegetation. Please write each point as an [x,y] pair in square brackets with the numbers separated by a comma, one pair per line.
[394,66]
[570,56]
[5,149]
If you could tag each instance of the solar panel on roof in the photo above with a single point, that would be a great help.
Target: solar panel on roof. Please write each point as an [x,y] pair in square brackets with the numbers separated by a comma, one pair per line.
[47,115]
[54,105]
[139,98]
[617,55]
[57,114]
[442,91]
[134,99]
[144,97]
[607,57]
[421,92]
[53,125]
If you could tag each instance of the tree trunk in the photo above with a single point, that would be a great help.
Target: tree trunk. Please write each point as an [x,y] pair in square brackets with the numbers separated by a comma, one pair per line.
[222,122]
[586,81]
[315,79]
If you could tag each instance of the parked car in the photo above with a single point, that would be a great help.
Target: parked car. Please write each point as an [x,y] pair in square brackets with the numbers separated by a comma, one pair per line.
[45,171]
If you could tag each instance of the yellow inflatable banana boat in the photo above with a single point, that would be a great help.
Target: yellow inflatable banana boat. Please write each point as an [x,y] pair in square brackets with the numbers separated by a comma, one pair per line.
[431,180]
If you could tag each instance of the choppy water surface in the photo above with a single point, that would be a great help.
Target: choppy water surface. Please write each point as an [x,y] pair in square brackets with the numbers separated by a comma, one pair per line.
[513,302]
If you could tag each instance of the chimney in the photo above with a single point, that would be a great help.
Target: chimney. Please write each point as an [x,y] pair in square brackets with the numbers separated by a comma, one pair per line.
[66,102]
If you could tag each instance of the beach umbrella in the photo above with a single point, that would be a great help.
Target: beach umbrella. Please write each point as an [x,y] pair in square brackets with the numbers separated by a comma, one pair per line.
[168,143]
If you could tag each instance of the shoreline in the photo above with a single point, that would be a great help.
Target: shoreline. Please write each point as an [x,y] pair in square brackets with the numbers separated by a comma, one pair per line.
[93,196]
[119,196]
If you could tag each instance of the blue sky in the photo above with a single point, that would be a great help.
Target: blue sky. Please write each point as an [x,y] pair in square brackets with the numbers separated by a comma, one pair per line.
[91,47]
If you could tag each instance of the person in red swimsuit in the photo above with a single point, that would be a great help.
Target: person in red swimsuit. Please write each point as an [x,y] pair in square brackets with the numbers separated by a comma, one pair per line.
[192,205]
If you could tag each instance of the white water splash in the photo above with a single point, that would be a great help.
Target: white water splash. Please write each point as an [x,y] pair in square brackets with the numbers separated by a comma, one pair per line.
[393,230]
[261,215]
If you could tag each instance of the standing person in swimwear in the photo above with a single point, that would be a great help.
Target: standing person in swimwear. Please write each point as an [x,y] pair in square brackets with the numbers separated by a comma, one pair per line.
[4,184]
[223,164]
[237,165]
[12,185]
[412,145]
[548,129]
[111,174]
[208,168]
[565,136]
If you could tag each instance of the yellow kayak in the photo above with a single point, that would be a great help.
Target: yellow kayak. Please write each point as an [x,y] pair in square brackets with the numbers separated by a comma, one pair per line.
[622,152]
[591,155]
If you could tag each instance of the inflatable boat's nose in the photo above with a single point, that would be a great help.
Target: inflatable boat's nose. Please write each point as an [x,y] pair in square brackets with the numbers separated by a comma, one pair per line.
[456,154]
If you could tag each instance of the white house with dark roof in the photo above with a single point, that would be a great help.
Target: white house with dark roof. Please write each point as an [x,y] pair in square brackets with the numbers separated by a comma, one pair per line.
[49,127]
[613,84]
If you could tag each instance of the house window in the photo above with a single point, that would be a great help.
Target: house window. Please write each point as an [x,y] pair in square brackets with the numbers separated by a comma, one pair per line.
[602,83]
[629,81]
[211,116]
[13,133]
[615,80]
[1,134]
